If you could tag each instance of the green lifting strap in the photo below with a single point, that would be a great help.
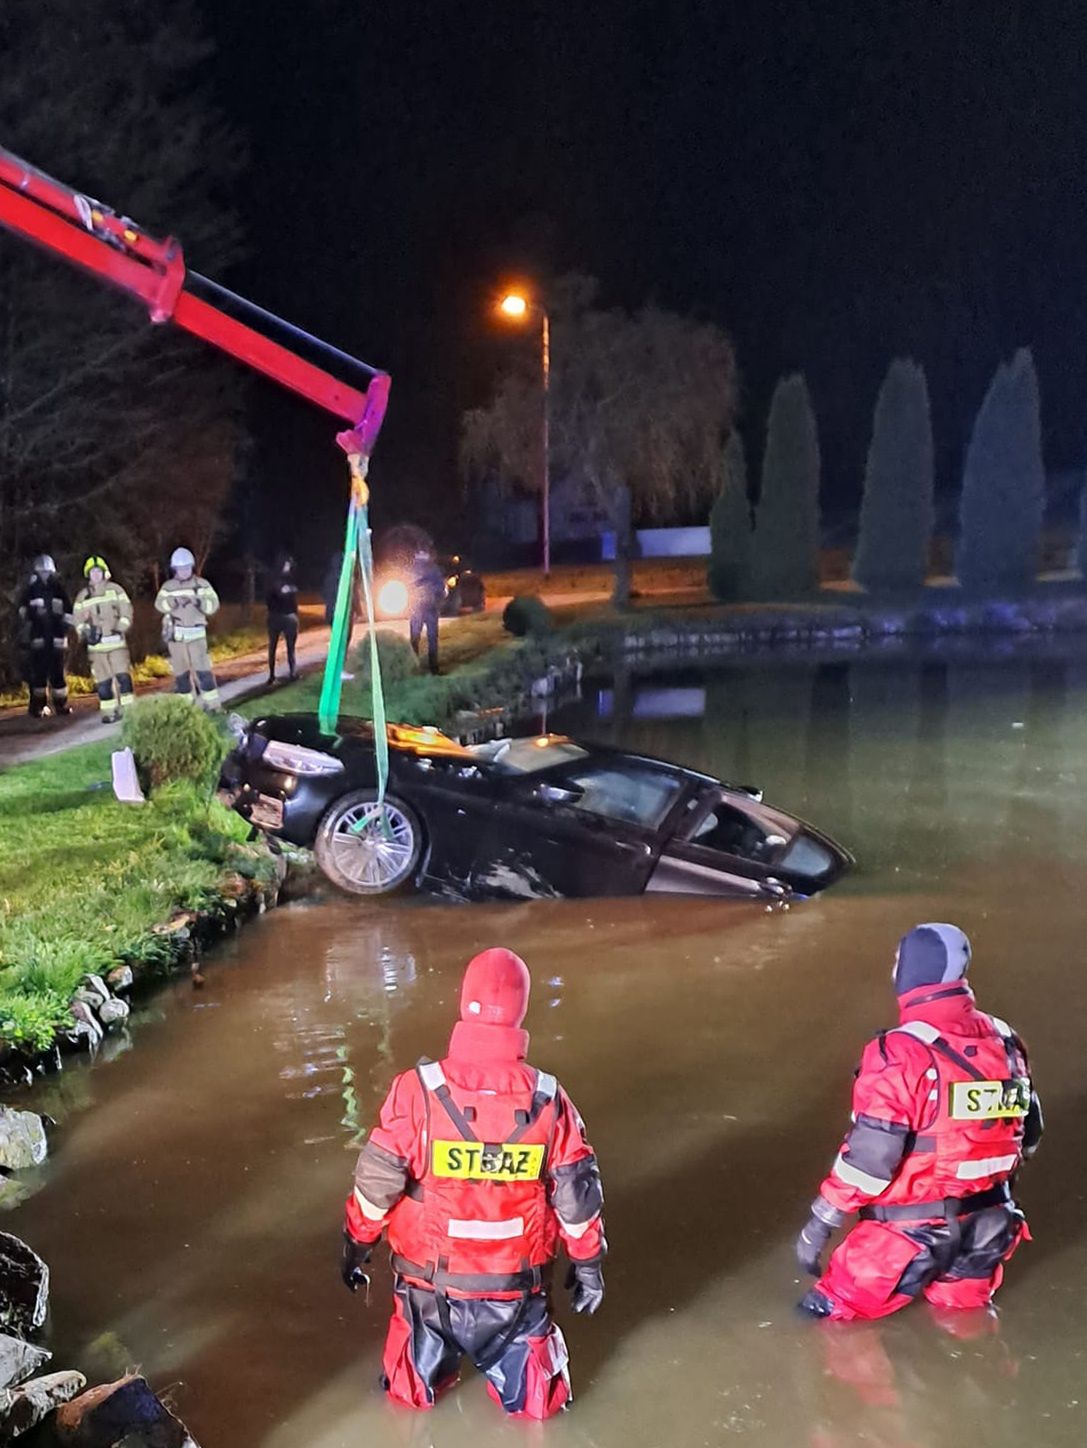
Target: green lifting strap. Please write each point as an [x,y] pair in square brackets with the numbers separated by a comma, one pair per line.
[377,693]
[356,549]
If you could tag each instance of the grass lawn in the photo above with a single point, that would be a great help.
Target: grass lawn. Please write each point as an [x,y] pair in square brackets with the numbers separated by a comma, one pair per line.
[472,649]
[85,880]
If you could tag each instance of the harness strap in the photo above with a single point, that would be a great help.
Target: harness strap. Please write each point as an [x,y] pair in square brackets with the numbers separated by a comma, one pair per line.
[930,1036]
[1016,1062]
[433,1078]
[950,1208]
[542,1097]
[529,1279]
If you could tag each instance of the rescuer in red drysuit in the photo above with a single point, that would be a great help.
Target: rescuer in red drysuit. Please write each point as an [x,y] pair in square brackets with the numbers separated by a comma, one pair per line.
[479,1168]
[943,1114]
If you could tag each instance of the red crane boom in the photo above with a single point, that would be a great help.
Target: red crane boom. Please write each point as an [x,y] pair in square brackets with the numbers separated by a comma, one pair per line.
[113,248]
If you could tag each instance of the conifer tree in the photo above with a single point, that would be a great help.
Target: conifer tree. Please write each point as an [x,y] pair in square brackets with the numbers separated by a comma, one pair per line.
[896,510]
[729,569]
[785,557]
[1003,489]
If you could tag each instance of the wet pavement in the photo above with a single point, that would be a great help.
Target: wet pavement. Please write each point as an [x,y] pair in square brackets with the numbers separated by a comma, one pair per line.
[192,1217]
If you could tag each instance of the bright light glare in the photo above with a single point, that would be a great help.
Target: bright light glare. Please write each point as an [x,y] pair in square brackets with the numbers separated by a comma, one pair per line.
[392,598]
[514,304]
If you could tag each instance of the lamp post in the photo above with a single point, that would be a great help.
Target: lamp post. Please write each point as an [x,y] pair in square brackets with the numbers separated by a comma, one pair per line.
[516,307]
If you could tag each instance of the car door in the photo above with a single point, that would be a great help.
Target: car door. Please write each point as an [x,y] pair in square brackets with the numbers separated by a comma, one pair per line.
[732,845]
[724,845]
[591,828]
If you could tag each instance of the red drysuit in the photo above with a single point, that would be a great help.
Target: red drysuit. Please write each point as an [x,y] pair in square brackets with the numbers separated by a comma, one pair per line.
[943,1114]
[478,1170]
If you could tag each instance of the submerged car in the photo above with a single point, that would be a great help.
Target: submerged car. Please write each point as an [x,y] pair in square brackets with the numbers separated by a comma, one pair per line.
[528,818]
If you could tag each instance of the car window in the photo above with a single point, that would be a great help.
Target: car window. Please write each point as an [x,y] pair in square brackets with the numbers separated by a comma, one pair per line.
[807,857]
[634,794]
[729,830]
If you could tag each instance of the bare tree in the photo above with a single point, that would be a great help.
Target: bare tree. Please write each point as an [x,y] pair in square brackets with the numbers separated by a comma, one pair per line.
[111,428]
[640,407]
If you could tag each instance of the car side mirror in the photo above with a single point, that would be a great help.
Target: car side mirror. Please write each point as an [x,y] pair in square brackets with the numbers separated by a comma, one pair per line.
[560,793]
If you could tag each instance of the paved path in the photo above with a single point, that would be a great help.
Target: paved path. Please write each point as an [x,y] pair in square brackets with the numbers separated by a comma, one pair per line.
[23,738]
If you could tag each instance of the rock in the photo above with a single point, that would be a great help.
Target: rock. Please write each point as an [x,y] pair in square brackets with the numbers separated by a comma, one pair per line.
[112,1011]
[24,1408]
[22,1139]
[120,979]
[19,1360]
[86,1032]
[24,1286]
[96,986]
[125,1412]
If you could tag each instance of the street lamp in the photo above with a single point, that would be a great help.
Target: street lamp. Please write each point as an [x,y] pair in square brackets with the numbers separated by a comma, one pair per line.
[516,307]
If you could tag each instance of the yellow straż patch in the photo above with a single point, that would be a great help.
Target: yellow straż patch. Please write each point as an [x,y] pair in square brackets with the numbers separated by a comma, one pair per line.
[988,1100]
[472,1160]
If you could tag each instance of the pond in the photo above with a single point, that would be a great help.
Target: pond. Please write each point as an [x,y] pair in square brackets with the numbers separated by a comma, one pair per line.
[191,1212]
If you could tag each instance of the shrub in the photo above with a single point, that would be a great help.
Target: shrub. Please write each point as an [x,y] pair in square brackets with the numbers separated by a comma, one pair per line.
[172,739]
[729,568]
[527,615]
[395,655]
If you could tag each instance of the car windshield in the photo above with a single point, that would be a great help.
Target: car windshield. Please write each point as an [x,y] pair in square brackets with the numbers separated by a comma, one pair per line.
[529,756]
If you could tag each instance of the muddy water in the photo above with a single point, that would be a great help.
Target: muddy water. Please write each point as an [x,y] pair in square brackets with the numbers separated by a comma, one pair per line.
[192,1217]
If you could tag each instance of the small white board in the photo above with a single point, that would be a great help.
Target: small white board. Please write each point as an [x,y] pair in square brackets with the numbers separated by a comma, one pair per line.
[126,784]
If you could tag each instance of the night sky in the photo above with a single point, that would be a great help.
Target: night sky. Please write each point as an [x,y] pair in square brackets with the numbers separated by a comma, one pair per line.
[834,183]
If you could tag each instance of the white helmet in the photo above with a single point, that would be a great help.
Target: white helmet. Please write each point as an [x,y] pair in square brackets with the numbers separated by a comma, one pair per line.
[182,558]
[44,564]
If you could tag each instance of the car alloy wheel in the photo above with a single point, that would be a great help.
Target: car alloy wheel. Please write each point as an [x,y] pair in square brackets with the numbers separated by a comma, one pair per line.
[369,848]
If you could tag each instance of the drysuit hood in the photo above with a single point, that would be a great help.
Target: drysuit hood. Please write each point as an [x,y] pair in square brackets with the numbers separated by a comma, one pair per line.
[496,989]
[493,1002]
[931,954]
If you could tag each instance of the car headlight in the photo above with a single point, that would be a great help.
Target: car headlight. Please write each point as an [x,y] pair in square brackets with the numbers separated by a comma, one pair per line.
[392,598]
[297,759]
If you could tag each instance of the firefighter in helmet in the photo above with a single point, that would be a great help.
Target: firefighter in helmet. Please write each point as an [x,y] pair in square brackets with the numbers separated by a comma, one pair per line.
[45,616]
[944,1113]
[103,617]
[479,1169]
[186,602]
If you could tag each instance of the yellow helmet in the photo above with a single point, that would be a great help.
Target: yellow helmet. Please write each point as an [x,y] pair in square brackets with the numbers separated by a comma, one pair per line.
[94,561]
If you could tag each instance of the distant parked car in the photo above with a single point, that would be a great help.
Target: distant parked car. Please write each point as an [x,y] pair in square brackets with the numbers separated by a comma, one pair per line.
[465,591]
[517,818]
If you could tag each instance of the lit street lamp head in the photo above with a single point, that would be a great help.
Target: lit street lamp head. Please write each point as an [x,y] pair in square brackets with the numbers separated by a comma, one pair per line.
[514,304]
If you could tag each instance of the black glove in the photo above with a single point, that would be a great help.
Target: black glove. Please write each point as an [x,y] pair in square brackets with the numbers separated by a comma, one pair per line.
[587,1281]
[355,1257]
[93,634]
[817,1232]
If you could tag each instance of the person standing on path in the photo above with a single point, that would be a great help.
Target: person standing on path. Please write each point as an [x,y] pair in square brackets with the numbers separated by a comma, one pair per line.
[103,617]
[282,603]
[479,1169]
[427,597]
[186,602]
[45,616]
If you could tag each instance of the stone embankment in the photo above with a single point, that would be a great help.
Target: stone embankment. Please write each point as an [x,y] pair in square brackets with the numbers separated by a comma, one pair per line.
[122,1414]
[100,1006]
[947,615]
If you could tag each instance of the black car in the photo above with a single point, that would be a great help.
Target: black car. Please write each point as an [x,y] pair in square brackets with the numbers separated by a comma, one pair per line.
[541,817]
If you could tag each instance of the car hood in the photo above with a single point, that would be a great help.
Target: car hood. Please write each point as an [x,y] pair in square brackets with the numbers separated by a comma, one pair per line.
[352,734]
